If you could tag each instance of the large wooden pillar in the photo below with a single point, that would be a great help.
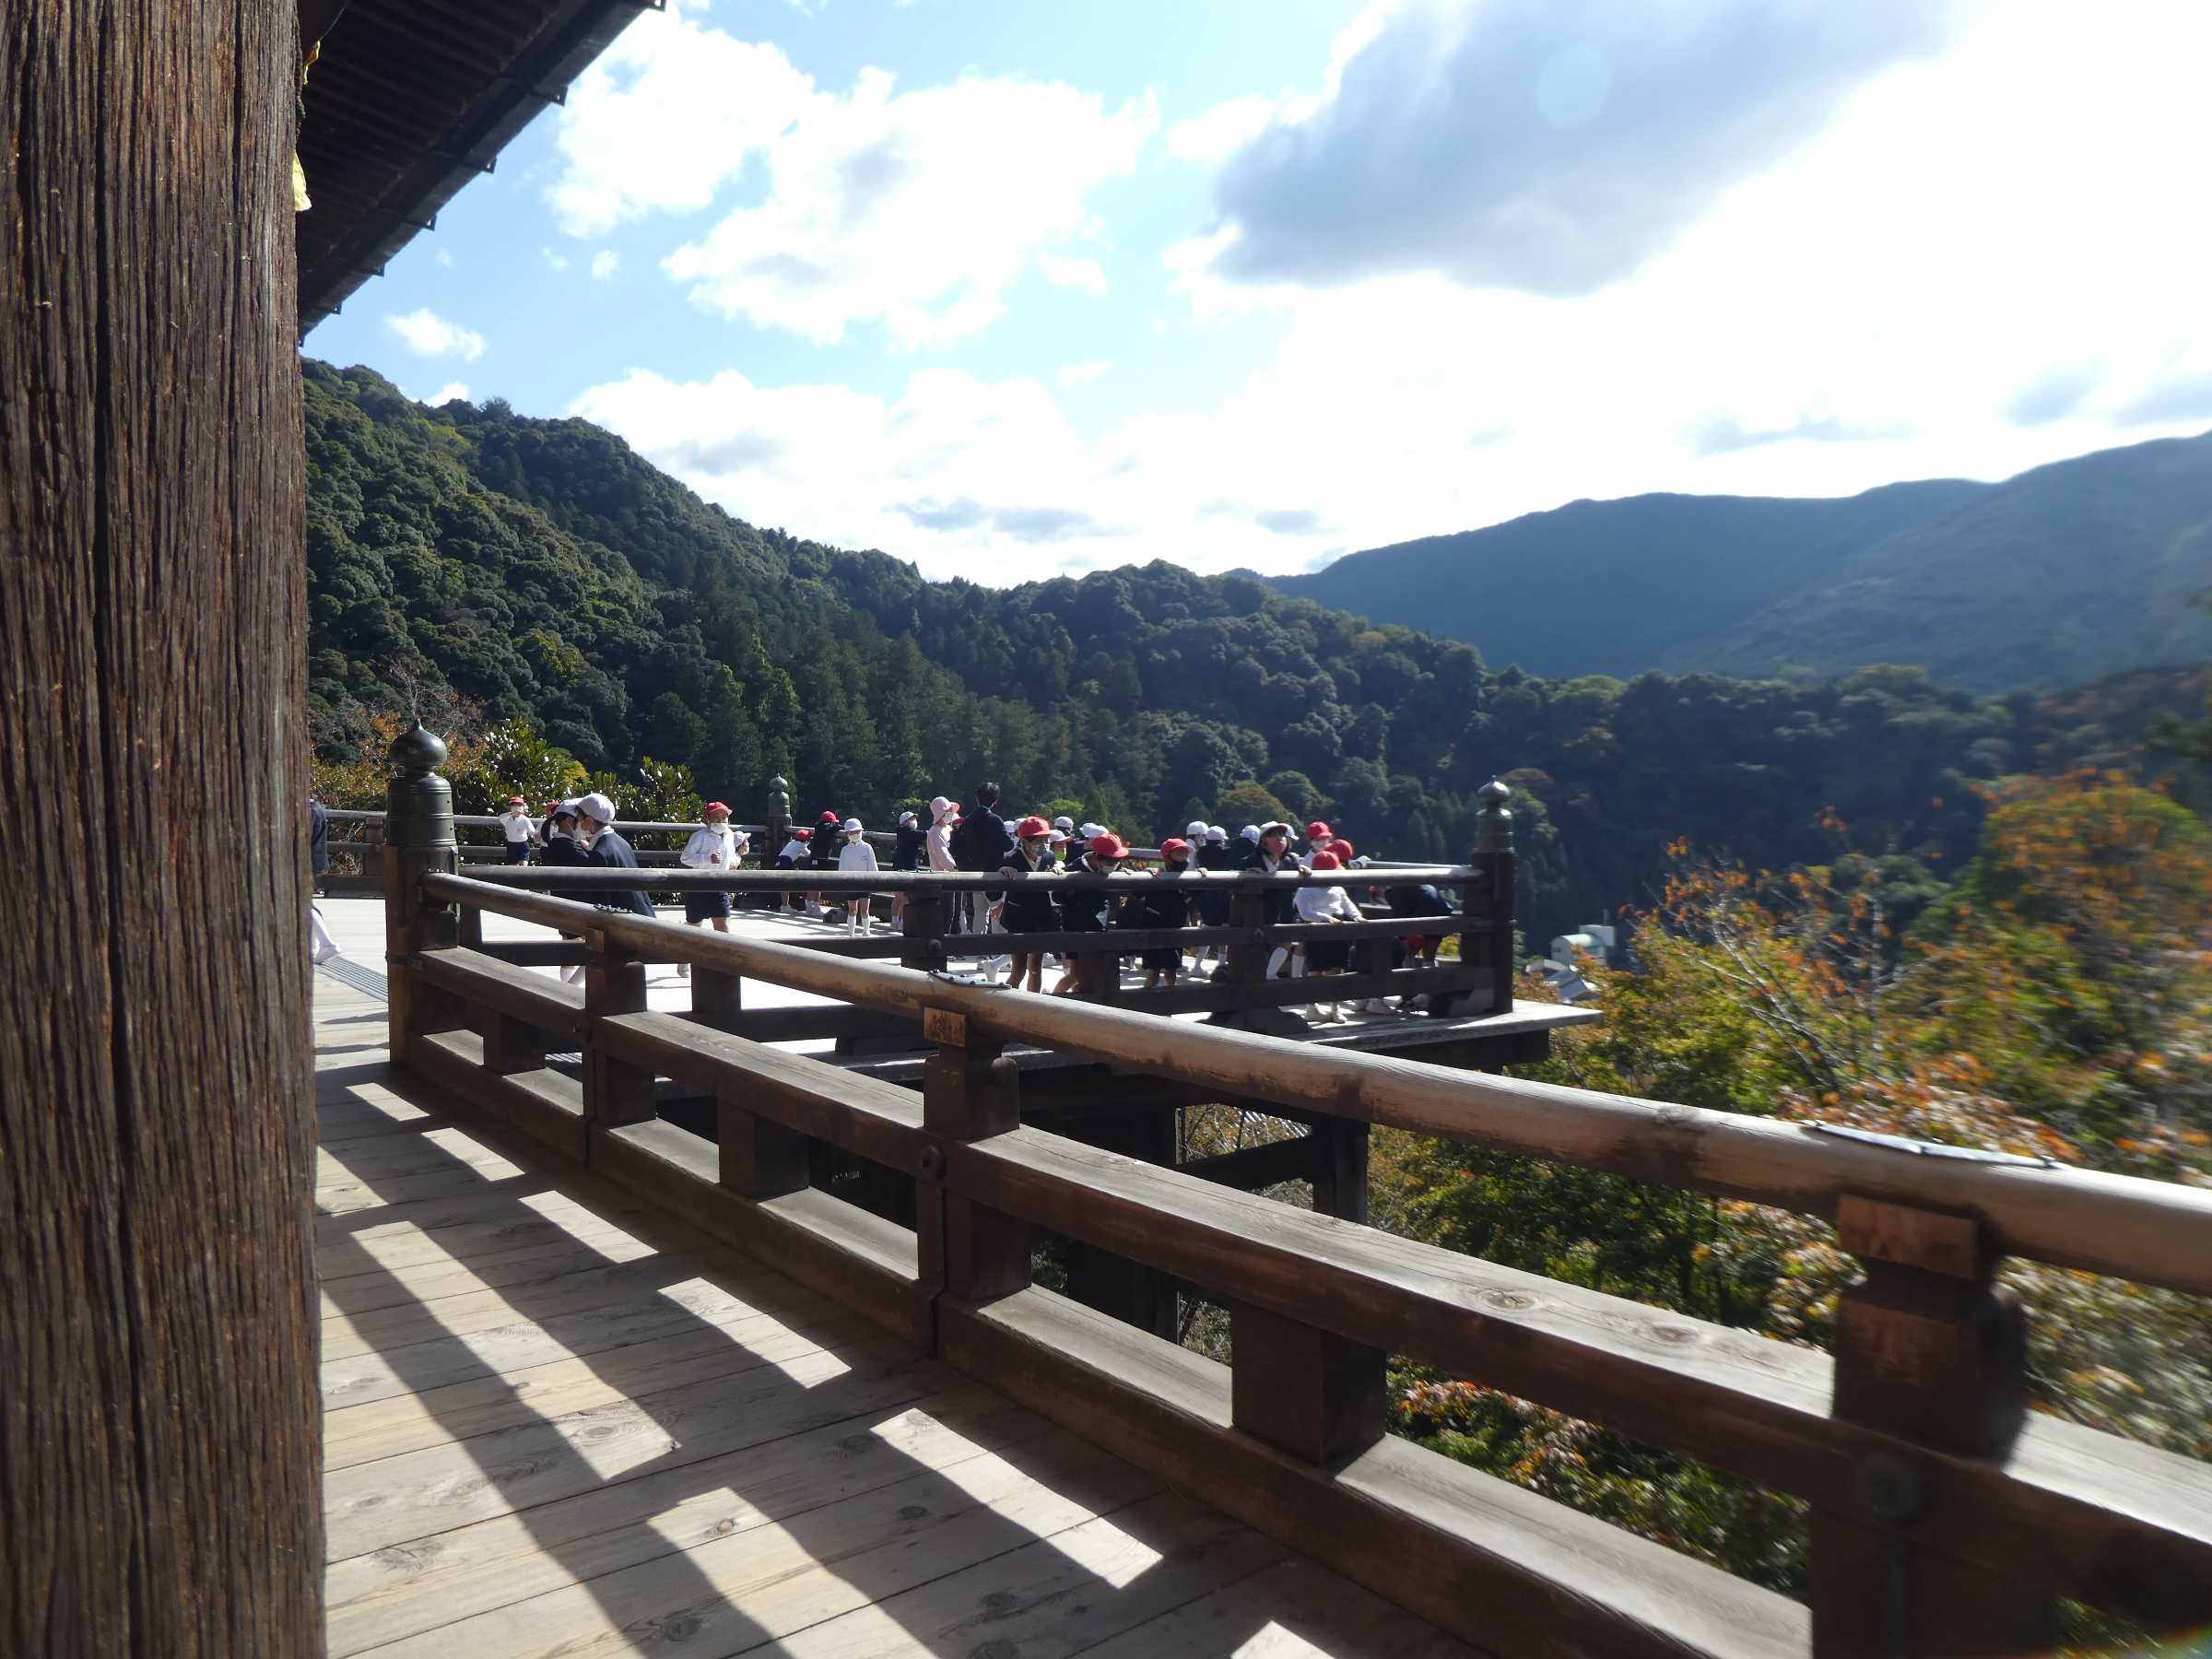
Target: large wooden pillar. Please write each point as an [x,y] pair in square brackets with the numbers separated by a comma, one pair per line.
[158,1424]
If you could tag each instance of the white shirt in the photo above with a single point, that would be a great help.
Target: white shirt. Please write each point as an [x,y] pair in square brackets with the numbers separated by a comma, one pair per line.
[795,850]
[517,827]
[711,848]
[1325,904]
[856,855]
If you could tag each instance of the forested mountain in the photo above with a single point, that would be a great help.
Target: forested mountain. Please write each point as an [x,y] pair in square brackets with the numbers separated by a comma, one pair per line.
[542,571]
[2067,573]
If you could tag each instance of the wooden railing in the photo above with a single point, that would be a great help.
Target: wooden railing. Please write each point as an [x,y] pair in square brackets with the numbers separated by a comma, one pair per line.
[1479,979]
[1947,1518]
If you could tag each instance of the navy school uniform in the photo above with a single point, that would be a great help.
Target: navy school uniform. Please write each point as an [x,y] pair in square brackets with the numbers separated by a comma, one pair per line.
[564,851]
[610,852]
[1159,905]
[1213,906]
[907,854]
[1028,909]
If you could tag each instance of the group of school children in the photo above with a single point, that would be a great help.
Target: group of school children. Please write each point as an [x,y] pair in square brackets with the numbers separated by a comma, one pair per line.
[979,839]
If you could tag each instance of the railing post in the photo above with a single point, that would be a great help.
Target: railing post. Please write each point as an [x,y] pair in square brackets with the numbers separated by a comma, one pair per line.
[1244,963]
[1928,1349]
[1301,1390]
[969,1091]
[1493,942]
[418,838]
[761,1158]
[923,947]
[717,997]
[614,1093]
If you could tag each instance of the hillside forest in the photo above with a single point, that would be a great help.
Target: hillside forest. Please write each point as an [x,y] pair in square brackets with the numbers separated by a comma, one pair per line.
[1877,900]
[542,575]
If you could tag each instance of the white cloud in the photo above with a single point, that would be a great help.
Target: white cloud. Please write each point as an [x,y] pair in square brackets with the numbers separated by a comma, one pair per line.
[1084,276]
[1223,130]
[605,263]
[447,393]
[428,334]
[1978,267]
[558,262]
[1550,148]
[1079,374]
[664,117]
[445,256]
[915,208]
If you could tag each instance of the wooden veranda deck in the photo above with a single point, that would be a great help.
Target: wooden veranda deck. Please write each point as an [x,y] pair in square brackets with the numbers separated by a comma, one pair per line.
[559,1422]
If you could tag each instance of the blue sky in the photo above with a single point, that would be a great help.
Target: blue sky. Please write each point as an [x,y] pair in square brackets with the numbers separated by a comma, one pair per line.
[1012,289]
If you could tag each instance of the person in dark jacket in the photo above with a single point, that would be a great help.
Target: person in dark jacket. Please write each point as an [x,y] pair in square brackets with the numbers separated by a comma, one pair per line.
[607,849]
[979,842]
[321,946]
[821,854]
[1085,910]
[1162,903]
[1213,853]
[562,850]
[906,849]
[1028,910]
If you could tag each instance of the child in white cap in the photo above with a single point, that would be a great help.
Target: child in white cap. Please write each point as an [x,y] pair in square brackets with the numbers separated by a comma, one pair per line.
[856,855]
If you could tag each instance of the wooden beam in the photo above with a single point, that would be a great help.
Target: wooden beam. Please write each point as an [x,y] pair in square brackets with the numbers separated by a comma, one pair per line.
[162,1437]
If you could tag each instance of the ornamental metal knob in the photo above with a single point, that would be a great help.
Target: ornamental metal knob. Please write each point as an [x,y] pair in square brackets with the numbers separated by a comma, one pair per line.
[1495,823]
[419,804]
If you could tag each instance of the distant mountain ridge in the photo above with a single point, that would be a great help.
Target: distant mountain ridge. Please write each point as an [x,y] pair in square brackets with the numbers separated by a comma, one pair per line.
[2062,575]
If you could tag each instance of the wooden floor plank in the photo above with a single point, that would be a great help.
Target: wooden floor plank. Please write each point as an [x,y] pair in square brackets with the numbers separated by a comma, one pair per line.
[1290,1610]
[411,1588]
[598,1312]
[428,1283]
[399,1499]
[558,1422]
[409,1422]
[762,1586]
[1054,1596]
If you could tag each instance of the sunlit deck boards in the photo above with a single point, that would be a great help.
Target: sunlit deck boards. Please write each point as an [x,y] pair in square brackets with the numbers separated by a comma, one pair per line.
[556,1423]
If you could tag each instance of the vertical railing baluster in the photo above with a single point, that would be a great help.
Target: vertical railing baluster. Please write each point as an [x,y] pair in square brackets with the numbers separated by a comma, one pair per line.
[1928,1349]
[1301,1390]
[969,1091]
[615,1093]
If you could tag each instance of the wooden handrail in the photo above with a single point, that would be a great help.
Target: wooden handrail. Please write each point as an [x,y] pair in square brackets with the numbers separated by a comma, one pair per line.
[1941,1515]
[2153,1233]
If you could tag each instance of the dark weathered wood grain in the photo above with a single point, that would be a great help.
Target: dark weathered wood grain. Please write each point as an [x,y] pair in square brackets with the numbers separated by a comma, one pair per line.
[159,1427]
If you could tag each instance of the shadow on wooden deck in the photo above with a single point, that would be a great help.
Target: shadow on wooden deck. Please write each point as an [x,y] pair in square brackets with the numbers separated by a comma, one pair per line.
[557,1423]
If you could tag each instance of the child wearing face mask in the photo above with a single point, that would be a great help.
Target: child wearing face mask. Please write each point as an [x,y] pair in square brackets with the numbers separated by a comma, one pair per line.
[1027,909]
[855,857]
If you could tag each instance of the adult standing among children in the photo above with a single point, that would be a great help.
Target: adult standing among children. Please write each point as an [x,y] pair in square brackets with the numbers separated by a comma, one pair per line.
[517,830]
[1029,906]
[713,847]
[982,844]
